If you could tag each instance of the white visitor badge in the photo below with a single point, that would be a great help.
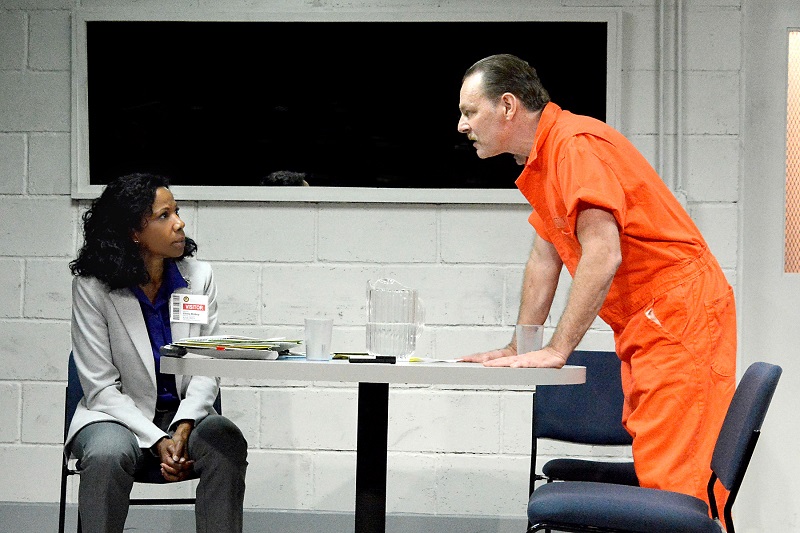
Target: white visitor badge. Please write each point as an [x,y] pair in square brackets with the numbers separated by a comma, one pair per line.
[191,308]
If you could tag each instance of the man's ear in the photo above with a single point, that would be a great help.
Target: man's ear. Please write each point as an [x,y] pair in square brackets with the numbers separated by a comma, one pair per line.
[509,103]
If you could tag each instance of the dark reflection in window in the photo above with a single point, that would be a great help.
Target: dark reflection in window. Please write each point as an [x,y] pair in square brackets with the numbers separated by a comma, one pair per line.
[350,104]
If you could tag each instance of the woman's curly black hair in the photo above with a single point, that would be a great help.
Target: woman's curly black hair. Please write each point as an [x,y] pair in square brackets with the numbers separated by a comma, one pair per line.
[108,251]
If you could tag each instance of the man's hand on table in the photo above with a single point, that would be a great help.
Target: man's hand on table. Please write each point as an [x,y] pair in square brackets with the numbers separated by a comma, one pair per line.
[547,357]
[483,357]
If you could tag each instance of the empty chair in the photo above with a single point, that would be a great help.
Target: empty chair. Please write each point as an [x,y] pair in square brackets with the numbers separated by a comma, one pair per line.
[577,506]
[589,413]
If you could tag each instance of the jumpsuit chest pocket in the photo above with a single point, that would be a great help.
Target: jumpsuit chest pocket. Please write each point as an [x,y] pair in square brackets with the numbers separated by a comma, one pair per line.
[562,225]
[565,241]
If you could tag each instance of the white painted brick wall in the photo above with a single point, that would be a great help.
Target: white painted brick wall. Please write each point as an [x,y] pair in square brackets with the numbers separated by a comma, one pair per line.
[639,104]
[37,227]
[501,482]
[485,234]
[718,222]
[49,162]
[333,481]
[281,480]
[11,287]
[451,451]
[35,350]
[38,468]
[292,293]
[41,424]
[12,39]
[412,483]
[308,418]
[34,101]
[238,288]
[515,438]
[48,293]
[49,40]
[709,111]
[12,163]
[255,232]
[436,420]
[456,295]
[10,402]
[352,233]
[713,39]
[243,405]
[712,179]
[39,4]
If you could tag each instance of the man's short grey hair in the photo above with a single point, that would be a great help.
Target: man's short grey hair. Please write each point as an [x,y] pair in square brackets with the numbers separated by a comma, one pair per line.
[506,73]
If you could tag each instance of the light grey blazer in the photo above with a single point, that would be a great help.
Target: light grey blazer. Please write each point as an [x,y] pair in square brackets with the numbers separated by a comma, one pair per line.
[115,362]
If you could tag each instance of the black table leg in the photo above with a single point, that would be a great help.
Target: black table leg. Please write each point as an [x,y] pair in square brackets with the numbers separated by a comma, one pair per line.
[373,423]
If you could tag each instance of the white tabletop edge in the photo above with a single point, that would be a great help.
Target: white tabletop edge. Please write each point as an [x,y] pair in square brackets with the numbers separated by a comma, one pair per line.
[400,373]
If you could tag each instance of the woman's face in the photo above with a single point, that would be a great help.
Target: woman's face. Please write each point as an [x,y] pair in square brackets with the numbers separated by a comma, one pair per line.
[162,234]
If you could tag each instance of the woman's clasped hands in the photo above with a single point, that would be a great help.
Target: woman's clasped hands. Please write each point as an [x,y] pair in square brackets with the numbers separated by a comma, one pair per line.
[175,462]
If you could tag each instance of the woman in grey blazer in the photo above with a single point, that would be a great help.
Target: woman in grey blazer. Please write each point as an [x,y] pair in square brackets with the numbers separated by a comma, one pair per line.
[132,276]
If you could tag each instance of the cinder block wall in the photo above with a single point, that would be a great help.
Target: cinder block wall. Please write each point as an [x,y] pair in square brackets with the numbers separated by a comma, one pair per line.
[451,451]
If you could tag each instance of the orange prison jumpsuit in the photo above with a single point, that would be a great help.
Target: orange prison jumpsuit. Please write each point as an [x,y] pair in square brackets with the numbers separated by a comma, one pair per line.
[670,306]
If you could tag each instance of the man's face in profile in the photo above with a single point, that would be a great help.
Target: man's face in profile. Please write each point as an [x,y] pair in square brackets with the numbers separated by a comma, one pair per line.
[481,119]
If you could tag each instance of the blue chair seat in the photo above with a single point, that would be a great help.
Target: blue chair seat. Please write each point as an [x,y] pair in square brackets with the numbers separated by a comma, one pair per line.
[610,506]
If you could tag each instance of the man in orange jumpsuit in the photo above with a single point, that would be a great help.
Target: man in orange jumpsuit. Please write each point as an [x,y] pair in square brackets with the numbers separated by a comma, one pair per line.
[636,259]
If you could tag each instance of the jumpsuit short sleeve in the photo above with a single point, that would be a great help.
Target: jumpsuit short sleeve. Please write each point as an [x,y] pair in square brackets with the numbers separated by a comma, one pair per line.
[587,178]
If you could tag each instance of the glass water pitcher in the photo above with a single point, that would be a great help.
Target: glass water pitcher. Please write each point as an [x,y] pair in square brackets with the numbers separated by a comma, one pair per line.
[395,318]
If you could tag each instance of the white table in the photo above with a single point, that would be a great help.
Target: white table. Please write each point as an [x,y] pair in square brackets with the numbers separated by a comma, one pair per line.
[373,402]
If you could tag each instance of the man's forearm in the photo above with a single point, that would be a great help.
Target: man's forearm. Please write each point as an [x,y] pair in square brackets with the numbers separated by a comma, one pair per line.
[600,259]
[539,283]
[587,294]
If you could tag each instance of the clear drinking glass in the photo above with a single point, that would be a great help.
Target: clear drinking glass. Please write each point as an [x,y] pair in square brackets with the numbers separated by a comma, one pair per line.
[318,334]
[529,337]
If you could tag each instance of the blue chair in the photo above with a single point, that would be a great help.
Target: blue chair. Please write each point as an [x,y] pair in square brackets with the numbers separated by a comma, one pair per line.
[609,508]
[590,414]
[74,393]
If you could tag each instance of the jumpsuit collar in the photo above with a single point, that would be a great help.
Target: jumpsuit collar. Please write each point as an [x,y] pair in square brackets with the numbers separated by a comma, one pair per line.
[546,122]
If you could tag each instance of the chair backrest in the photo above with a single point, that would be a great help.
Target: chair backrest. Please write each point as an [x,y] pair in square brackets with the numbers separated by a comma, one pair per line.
[590,413]
[74,393]
[742,423]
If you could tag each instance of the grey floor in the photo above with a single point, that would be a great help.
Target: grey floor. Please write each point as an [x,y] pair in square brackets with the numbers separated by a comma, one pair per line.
[43,517]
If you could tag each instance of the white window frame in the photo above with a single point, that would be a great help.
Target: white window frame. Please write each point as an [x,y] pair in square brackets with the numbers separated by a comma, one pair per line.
[82,189]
